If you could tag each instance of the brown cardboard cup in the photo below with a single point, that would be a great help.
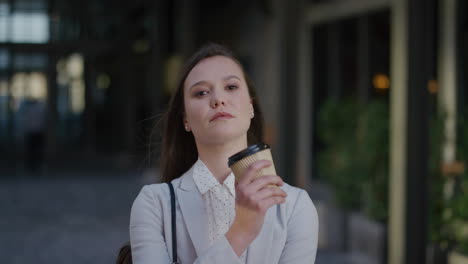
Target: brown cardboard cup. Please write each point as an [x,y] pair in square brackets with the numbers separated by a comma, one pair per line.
[241,161]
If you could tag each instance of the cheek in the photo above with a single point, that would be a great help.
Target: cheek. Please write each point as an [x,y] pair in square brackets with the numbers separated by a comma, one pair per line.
[193,111]
[243,104]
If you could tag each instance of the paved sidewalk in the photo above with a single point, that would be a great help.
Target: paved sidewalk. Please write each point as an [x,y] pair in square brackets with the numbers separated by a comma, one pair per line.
[65,220]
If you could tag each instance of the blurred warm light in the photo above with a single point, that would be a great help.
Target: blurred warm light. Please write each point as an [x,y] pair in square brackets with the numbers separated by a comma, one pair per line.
[3,102]
[18,89]
[18,85]
[32,85]
[269,134]
[38,86]
[75,65]
[62,75]
[70,71]
[103,81]
[3,88]
[141,46]
[453,168]
[61,65]
[381,81]
[62,78]
[77,96]
[432,86]
[173,65]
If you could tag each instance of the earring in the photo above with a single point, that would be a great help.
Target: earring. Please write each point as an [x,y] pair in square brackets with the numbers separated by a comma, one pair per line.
[252,113]
[187,128]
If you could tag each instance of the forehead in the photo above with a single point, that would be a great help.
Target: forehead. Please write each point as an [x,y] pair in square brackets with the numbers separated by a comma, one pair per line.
[212,69]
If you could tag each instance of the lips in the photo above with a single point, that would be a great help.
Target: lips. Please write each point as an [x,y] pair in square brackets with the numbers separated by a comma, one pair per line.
[221,115]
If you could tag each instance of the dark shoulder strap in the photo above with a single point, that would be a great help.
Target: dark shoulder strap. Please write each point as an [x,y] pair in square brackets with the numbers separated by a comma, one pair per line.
[173,224]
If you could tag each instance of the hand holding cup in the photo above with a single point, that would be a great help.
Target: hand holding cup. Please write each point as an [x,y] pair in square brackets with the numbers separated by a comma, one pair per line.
[254,196]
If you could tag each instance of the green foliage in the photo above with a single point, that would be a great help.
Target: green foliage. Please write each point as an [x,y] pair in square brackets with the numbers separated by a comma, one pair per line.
[448,219]
[439,232]
[459,220]
[355,159]
[459,202]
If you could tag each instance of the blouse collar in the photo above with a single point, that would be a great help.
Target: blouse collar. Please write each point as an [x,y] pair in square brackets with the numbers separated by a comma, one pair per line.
[205,180]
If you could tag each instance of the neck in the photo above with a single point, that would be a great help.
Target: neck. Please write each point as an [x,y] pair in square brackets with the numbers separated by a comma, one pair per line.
[215,156]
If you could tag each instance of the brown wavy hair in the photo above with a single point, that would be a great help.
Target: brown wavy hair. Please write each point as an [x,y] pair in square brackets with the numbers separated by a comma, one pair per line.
[179,151]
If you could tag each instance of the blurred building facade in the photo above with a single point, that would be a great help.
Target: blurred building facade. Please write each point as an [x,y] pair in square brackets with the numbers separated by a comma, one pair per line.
[105,69]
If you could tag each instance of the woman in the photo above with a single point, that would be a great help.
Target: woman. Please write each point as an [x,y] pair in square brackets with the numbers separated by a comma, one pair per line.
[213,115]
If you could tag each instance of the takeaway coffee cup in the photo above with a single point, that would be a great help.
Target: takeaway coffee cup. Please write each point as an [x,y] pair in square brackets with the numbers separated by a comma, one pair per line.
[241,161]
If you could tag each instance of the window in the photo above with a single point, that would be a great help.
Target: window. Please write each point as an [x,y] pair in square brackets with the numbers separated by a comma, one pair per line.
[24,21]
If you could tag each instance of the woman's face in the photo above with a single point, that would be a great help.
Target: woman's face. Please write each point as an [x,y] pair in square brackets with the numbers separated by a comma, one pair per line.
[217,103]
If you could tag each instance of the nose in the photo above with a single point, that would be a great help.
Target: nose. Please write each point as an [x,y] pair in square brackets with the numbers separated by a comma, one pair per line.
[216,102]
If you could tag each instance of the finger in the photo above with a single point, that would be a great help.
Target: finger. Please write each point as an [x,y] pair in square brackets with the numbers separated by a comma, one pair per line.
[269,192]
[252,170]
[265,204]
[265,181]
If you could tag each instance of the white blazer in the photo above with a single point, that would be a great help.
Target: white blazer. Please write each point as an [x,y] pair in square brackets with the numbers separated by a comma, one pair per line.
[289,233]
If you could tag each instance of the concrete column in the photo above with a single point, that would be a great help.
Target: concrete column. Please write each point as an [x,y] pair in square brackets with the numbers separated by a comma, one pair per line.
[447,72]
[304,103]
[289,93]
[398,140]
[412,63]
[420,64]
[265,28]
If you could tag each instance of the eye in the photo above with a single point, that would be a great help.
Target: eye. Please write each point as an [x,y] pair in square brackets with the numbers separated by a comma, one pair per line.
[232,87]
[201,93]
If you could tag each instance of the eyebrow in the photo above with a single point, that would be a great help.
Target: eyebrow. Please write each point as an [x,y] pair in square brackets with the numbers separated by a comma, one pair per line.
[196,84]
[224,79]
[230,77]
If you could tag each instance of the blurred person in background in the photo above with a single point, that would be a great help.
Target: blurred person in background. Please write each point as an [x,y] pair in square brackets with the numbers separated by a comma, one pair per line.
[212,115]
[34,125]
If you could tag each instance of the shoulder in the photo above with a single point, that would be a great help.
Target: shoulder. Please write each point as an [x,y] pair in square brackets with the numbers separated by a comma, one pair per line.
[148,200]
[151,201]
[298,201]
[292,190]
[155,192]
[295,194]
[160,191]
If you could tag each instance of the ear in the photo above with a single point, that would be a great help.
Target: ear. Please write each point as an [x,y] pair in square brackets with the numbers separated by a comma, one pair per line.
[252,112]
[186,125]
